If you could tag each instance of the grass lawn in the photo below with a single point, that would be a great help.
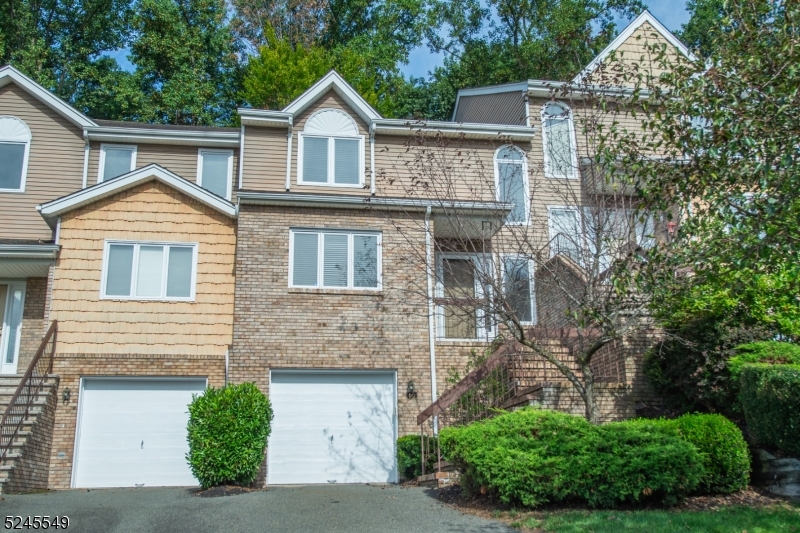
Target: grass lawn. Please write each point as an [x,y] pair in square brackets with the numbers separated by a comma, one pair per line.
[738,519]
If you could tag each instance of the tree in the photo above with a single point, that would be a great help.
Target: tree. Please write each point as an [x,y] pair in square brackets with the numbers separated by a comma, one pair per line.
[704,26]
[294,21]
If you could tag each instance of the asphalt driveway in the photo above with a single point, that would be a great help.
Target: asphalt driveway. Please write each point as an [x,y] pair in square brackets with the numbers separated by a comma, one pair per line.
[325,508]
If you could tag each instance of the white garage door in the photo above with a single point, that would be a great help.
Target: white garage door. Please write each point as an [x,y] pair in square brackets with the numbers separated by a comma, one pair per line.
[132,432]
[332,427]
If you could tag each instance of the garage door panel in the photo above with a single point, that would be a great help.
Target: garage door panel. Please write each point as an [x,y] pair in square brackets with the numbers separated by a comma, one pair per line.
[133,432]
[332,428]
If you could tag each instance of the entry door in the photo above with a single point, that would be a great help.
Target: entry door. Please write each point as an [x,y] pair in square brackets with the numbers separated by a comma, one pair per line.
[12,301]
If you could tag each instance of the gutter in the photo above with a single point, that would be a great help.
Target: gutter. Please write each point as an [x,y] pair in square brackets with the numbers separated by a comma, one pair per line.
[29,251]
[145,135]
[454,129]
[431,316]
[85,159]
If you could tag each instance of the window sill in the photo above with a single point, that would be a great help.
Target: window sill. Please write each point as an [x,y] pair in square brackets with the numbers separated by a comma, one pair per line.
[330,185]
[12,191]
[455,342]
[337,292]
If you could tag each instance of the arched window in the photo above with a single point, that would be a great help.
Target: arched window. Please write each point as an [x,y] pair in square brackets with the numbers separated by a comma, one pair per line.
[511,182]
[330,150]
[558,138]
[15,146]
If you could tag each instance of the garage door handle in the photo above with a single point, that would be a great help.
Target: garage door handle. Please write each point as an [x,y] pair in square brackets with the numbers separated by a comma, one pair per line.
[142,445]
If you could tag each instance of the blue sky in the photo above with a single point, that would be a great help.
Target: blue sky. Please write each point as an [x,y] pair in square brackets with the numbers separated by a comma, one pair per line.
[671,13]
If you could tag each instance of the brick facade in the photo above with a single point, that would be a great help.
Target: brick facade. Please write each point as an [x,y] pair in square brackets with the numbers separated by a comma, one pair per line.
[33,320]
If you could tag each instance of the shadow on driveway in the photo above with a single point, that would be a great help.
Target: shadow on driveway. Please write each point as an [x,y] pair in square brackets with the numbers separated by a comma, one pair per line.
[302,509]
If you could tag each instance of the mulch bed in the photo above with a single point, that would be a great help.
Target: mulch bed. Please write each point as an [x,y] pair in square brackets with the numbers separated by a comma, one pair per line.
[223,490]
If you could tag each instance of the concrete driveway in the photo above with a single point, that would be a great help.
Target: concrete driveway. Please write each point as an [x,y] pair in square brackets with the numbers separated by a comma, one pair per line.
[325,508]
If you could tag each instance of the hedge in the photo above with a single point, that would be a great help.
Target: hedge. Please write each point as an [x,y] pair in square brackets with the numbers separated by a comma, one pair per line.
[768,352]
[228,430]
[409,456]
[532,456]
[770,397]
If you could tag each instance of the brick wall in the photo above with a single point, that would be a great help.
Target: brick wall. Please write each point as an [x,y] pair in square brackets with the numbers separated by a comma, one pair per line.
[33,321]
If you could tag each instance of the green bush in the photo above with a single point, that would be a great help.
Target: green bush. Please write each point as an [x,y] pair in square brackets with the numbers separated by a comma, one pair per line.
[228,430]
[768,352]
[532,456]
[724,452]
[409,456]
[770,396]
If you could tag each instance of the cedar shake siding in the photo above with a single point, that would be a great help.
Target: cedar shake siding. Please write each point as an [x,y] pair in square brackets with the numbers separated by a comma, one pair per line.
[55,164]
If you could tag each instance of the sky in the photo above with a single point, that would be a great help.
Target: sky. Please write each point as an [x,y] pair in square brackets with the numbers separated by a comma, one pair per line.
[671,13]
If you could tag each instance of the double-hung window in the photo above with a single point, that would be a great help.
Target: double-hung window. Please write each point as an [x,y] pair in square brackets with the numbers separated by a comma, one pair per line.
[335,259]
[149,270]
[15,145]
[215,171]
[463,294]
[330,151]
[116,160]
[558,139]
[512,183]
[518,288]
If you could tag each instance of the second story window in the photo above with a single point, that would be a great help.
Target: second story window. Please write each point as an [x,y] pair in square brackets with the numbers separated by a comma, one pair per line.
[116,160]
[558,142]
[149,270]
[335,259]
[330,151]
[215,171]
[15,145]
[511,182]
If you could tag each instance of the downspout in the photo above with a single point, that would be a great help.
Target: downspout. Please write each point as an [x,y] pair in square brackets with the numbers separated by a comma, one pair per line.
[372,159]
[431,316]
[226,366]
[241,157]
[289,157]
[85,159]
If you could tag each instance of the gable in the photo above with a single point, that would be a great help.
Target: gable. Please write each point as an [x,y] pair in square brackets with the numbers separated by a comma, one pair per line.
[330,100]
[332,81]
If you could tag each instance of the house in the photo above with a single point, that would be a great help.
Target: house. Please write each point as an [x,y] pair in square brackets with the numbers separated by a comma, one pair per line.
[177,257]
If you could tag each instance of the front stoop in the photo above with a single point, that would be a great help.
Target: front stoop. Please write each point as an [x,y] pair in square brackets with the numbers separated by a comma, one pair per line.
[26,466]
[447,476]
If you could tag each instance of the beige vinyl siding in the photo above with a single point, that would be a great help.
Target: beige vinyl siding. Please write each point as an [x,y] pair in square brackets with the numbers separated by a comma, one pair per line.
[182,160]
[55,164]
[264,167]
[497,108]
[152,211]
[636,50]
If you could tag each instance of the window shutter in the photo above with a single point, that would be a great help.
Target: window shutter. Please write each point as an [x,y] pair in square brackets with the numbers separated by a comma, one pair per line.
[365,261]
[512,189]
[179,272]
[517,287]
[315,159]
[335,260]
[215,173]
[12,156]
[346,153]
[117,162]
[119,269]
[151,267]
[306,250]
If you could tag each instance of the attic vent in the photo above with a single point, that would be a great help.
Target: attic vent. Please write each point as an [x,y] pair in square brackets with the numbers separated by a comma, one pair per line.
[331,122]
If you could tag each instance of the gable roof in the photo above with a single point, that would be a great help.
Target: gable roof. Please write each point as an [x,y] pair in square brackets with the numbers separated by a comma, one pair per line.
[332,80]
[645,17]
[52,210]
[9,74]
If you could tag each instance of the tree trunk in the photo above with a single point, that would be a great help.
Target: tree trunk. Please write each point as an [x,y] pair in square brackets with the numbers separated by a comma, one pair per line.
[590,399]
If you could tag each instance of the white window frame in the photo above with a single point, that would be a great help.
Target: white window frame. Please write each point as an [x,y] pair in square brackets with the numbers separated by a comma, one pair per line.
[102,165]
[135,267]
[26,155]
[551,228]
[321,258]
[482,333]
[229,153]
[534,317]
[574,145]
[331,160]
[525,183]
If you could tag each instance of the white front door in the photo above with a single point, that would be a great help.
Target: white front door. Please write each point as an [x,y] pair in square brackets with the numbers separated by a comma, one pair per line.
[332,427]
[132,432]
[12,301]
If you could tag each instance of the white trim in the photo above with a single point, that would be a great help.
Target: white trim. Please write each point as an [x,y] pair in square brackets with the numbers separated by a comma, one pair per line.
[140,133]
[431,312]
[573,144]
[264,117]
[58,231]
[645,16]
[126,181]
[333,80]
[525,183]
[102,165]
[319,232]
[229,153]
[372,187]
[9,74]
[241,158]
[467,130]
[502,258]
[135,268]
[481,333]
[26,152]
[331,160]
[86,150]
[289,136]
[23,285]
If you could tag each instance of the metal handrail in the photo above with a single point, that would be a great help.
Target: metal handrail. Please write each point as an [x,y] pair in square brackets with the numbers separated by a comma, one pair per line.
[29,386]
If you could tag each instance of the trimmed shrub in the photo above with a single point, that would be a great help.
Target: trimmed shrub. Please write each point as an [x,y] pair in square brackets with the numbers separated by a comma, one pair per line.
[724,452]
[770,396]
[532,456]
[228,430]
[767,352]
[409,456]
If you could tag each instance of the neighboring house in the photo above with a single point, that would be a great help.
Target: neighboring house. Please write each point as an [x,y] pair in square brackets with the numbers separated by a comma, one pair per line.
[175,257]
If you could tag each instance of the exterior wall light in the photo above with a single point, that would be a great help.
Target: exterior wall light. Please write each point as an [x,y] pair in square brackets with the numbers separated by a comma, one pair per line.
[411,391]
[66,395]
